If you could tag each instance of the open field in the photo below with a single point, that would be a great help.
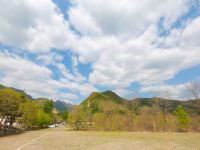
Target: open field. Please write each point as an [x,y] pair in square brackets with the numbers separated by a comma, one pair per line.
[61,139]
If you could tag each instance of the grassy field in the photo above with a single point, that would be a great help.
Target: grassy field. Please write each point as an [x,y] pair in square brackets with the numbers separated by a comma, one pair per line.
[138,140]
[61,139]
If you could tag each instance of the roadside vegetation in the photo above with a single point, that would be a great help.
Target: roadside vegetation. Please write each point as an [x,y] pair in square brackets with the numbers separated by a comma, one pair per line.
[18,110]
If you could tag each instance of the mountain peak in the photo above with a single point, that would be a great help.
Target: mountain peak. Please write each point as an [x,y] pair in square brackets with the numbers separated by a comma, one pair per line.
[103,96]
[108,92]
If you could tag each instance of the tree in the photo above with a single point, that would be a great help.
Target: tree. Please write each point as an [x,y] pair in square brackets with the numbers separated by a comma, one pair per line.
[64,115]
[10,105]
[182,118]
[48,106]
[30,113]
[43,119]
[194,89]
[165,111]
[34,114]
[77,115]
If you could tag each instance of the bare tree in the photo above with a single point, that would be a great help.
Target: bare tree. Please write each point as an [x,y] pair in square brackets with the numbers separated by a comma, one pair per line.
[166,97]
[194,89]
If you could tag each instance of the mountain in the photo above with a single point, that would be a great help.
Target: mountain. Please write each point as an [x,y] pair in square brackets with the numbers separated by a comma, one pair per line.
[19,91]
[1,86]
[108,111]
[98,101]
[107,96]
[62,106]
[191,106]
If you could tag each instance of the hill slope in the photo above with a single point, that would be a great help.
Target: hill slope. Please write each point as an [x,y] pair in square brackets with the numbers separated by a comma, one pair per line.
[60,106]
[18,91]
[109,111]
[97,101]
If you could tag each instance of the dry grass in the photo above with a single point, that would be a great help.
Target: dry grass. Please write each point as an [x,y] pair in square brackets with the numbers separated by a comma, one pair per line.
[141,140]
[60,139]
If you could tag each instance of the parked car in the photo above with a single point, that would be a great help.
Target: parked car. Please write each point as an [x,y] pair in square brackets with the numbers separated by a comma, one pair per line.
[52,126]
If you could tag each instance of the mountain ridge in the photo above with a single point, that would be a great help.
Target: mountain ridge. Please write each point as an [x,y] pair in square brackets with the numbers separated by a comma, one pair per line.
[95,98]
[99,99]
[59,107]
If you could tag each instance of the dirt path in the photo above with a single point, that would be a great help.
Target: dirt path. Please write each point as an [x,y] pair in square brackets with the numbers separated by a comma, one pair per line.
[60,139]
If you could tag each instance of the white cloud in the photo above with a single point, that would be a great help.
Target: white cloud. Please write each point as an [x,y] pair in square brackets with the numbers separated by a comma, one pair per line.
[35,26]
[50,58]
[118,38]
[179,91]
[191,35]
[123,18]
[37,80]
[139,60]
[89,49]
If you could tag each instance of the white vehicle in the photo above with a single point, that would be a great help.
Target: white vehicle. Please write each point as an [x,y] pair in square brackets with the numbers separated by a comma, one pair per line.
[52,126]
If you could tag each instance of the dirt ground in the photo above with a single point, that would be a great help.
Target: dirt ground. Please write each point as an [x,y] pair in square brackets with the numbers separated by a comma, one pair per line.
[61,139]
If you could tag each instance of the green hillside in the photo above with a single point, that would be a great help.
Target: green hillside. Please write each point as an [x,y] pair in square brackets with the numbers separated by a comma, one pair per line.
[97,102]
[108,111]
[104,96]
[18,91]
[60,106]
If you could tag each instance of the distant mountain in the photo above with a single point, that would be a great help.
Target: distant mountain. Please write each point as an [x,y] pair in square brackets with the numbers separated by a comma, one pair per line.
[106,96]
[1,86]
[98,101]
[108,111]
[191,106]
[62,106]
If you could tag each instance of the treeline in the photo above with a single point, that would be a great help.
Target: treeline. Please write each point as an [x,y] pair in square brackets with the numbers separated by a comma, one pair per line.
[16,109]
[102,111]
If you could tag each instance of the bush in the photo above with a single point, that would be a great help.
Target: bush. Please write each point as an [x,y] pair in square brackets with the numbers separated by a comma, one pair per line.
[43,119]
[182,118]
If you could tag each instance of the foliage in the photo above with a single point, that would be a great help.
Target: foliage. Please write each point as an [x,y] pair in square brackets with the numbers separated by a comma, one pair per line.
[64,115]
[34,115]
[43,119]
[48,106]
[30,110]
[182,118]
[10,105]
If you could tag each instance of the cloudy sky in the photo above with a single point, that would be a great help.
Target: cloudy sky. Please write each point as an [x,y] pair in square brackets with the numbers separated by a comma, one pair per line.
[65,49]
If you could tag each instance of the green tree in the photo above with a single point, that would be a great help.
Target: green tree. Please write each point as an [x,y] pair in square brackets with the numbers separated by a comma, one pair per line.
[182,118]
[10,105]
[43,119]
[30,113]
[48,106]
[64,115]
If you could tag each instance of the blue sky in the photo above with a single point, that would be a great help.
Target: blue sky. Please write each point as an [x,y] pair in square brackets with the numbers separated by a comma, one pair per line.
[66,49]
